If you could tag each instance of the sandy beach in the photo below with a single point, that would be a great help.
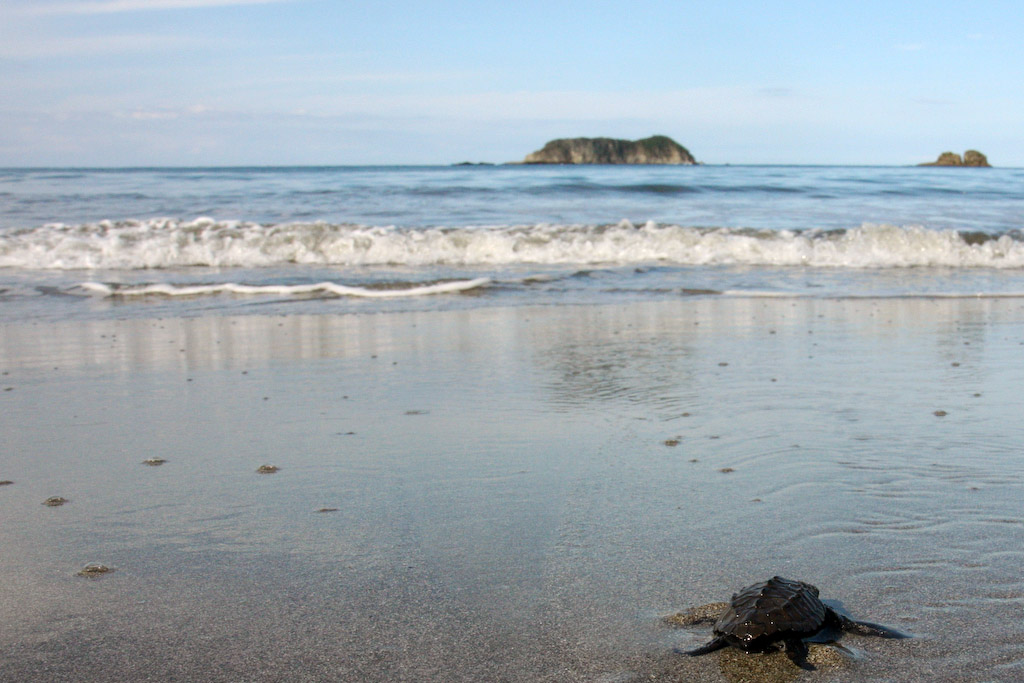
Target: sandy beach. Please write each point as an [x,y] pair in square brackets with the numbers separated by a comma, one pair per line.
[510,494]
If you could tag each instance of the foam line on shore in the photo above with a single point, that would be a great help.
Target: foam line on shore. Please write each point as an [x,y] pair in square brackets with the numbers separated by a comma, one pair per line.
[323,288]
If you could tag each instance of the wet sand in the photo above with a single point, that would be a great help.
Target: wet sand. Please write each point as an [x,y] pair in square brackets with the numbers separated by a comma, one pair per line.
[516,494]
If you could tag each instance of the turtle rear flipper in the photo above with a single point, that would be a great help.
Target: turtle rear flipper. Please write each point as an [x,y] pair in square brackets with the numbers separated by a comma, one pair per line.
[797,651]
[716,644]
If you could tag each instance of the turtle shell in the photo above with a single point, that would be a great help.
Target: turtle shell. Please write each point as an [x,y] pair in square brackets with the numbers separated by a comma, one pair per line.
[776,609]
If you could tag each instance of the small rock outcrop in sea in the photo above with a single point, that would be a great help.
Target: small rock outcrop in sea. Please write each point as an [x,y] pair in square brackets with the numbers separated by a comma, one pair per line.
[971,157]
[658,149]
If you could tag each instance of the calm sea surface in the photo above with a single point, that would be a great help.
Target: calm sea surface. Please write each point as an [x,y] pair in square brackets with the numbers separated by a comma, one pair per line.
[143,242]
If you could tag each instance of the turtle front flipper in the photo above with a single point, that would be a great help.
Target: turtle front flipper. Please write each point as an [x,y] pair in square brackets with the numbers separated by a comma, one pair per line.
[716,644]
[866,628]
[797,651]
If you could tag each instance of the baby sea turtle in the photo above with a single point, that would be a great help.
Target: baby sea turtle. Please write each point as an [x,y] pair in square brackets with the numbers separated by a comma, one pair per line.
[783,611]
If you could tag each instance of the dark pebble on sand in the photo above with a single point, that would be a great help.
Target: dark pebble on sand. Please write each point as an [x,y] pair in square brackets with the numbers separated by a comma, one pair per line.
[327,510]
[940,413]
[55,501]
[671,442]
[726,470]
[6,482]
[95,569]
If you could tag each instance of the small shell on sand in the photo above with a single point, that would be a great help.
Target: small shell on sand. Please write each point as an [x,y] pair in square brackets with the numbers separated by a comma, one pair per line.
[95,569]
[267,469]
[55,501]
[153,462]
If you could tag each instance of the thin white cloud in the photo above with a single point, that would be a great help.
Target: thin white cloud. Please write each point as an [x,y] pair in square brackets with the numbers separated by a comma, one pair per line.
[165,114]
[153,115]
[116,6]
[710,104]
[79,46]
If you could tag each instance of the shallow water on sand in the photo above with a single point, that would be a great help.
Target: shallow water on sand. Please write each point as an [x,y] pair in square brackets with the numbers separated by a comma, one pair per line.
[522,493]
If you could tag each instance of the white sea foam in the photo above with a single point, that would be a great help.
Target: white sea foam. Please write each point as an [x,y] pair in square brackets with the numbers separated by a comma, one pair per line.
[205,242]
[329,288]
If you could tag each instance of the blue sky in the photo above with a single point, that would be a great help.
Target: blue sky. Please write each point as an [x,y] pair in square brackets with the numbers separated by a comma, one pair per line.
[224,82]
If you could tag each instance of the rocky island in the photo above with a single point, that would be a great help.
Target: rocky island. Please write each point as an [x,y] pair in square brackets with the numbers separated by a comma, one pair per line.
[658,149]
[971,157]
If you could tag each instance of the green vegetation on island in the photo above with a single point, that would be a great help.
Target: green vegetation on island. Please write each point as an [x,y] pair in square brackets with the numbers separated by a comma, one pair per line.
[971,157]
[658,149]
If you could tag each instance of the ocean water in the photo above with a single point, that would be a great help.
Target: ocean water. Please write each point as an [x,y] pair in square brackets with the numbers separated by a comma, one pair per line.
[812,372]
[87,243]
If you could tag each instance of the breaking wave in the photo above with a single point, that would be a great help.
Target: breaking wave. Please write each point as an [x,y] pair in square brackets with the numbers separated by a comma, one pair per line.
[166,243]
